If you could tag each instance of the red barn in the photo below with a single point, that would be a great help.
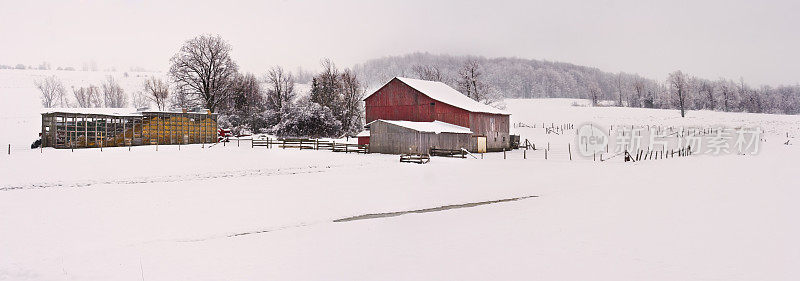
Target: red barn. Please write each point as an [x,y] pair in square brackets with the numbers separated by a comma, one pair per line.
[409,99]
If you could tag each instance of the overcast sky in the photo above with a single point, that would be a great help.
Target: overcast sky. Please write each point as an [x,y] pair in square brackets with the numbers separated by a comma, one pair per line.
[757,40]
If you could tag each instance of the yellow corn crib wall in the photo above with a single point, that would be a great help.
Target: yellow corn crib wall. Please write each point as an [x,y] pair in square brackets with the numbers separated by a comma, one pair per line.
[178,129]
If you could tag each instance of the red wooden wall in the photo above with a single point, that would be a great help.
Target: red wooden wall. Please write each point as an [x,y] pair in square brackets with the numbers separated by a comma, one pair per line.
[398,101]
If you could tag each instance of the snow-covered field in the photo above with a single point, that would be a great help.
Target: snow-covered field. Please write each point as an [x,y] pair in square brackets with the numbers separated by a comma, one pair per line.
[240,213]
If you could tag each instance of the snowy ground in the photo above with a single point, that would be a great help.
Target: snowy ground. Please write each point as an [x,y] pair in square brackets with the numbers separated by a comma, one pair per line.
[242,213]
[268,215]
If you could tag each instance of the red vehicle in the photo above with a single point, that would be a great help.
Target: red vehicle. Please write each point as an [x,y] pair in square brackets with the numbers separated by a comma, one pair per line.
[224,134]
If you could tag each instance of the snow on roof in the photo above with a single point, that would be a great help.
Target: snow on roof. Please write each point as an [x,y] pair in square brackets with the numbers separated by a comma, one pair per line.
[364,133]
[125,111]
[433,127]
[443,93]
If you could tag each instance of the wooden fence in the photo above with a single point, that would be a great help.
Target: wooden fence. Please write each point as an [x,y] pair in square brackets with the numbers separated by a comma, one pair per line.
[415,158]
[458,153]
[641,155]
[312,144]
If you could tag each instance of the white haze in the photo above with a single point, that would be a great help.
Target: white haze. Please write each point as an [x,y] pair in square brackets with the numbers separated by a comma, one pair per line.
[757,40]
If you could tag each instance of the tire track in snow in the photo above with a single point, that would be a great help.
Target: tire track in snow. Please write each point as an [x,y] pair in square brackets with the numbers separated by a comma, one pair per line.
[430,210]
[381,215]
[178,178]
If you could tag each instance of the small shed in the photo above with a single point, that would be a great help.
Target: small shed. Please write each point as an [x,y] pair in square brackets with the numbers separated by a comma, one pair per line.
[363,137]
[399,137]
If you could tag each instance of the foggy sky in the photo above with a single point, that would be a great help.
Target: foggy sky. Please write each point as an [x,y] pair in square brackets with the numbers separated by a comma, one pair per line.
[756,40]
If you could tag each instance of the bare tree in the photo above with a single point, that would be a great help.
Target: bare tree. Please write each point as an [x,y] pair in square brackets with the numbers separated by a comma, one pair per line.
[157,91]
[87,96]
[281,89]
[246,104]
[619,82]
[428,72]
[113,95]
[638,93]
[204,69]
[326,87]
[679,86]
[594,92]
[471,84]
[469,74]
[53,92]
[352,95]
[726,90]
[706,93]
[140,100]
[182,98]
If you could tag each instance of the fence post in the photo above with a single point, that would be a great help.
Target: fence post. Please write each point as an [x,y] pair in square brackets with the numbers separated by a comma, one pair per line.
[545,154]
[237,142]
[525,154]
[504,153]
[569,149]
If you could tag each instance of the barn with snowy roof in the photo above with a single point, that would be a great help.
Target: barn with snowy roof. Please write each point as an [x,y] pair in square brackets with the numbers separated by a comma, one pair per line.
[430,107]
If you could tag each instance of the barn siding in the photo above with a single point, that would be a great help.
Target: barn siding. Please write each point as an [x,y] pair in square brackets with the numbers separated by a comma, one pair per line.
[494,127]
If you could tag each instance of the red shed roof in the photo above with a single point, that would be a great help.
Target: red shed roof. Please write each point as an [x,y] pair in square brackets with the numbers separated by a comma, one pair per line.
[441,92]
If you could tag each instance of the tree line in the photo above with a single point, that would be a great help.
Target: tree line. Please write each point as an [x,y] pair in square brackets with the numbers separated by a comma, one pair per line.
[204,76]
[526,78]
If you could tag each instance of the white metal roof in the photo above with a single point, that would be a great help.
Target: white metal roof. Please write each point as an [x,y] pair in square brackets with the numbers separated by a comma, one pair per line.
[443,93]
[432,127]
[125,111]
[364,133]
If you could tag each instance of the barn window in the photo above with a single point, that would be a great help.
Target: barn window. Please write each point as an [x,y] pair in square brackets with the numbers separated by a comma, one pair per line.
[433,103]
